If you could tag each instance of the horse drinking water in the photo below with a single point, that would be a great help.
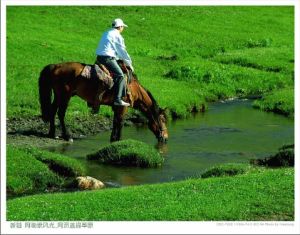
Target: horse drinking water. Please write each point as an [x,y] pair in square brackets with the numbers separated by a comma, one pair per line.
[65,81]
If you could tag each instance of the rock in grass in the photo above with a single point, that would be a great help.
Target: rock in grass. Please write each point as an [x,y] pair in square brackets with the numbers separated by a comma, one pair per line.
[87,182]
[128,153]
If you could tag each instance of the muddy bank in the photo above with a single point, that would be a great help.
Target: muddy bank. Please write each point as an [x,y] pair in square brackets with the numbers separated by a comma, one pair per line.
[33,131]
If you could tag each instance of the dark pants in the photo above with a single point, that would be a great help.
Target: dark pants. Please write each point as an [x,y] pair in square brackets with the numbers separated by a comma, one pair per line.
[118,76]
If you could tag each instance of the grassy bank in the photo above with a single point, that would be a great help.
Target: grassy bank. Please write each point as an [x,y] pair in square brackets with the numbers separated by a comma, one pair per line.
[31,170]
[285,157]
[278,101]
[252,196]
[224,192]
[208,53]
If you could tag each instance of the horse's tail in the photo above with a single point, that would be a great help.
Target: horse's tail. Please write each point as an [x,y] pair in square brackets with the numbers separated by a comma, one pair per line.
[45,92]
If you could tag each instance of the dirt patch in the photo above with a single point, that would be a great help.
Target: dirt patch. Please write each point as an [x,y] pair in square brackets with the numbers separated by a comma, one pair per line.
[33,131]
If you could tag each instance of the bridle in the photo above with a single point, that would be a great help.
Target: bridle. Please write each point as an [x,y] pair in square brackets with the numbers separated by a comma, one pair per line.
[161,128]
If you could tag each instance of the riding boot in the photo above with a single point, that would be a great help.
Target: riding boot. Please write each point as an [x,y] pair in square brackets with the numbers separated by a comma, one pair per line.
[120,88]
[120,91]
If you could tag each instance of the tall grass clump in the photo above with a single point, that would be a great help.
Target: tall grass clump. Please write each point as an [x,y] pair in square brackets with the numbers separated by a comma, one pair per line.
[230,169]
[265,42]
[187,73]
[128,153]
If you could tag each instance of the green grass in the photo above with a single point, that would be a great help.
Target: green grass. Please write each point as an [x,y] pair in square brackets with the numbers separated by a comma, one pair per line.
[279,101]
[230,169]
[31,170]
[25,174]
[129,153]
[210,53]
[254,196]
[61,164]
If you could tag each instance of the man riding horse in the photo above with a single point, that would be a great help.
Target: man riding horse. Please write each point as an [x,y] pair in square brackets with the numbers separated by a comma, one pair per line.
[67,79]
[110,48]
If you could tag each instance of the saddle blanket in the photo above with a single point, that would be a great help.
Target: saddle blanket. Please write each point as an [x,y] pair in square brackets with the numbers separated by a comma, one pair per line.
[94,72]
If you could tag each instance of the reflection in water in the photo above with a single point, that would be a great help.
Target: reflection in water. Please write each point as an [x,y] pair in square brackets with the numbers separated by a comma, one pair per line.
[162,148]
[212,129]
[63,148]
[128,180]
[232,132]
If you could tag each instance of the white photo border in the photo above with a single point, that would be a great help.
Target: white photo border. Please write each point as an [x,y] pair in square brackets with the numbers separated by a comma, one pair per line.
[221,227]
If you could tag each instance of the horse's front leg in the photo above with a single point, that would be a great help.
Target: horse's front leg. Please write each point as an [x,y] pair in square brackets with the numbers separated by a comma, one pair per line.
[118,122]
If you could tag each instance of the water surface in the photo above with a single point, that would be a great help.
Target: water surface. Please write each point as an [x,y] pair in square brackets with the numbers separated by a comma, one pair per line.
[229,132]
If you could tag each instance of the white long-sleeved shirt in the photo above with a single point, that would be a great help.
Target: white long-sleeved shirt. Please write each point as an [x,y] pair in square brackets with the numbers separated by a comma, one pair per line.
[112,44]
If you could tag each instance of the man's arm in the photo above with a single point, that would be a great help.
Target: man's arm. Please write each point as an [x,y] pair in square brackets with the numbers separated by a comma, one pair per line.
[122,52]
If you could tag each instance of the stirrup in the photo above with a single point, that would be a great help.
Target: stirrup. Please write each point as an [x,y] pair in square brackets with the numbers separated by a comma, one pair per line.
[121,103]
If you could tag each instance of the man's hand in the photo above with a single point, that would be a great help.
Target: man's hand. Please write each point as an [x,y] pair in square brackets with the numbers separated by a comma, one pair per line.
[131,68]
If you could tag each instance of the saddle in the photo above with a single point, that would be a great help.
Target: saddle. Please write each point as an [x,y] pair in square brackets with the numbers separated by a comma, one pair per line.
[98,73]
[103,80]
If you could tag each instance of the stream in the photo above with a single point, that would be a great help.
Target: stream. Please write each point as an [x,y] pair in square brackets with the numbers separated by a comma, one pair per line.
[228,132]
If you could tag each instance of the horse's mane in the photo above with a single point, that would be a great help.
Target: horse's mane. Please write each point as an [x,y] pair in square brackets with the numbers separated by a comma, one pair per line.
[155,106]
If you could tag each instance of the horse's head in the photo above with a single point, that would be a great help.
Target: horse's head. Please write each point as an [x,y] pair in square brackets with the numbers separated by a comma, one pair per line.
[157,124]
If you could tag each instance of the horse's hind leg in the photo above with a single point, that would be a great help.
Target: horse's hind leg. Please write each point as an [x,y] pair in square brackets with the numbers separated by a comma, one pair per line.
[52,118]
[62,108]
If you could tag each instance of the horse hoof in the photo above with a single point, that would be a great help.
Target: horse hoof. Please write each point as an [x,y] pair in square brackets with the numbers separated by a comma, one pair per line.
[68,138]
[95,110]
[52,136]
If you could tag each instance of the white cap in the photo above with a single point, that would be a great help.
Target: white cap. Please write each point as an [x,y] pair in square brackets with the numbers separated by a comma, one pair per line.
[118,23]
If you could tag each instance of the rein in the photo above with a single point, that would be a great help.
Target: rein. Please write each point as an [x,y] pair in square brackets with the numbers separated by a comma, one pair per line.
[153,111]
[158,124]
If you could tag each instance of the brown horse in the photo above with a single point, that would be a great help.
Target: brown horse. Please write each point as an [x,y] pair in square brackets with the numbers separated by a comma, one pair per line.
[65,81]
